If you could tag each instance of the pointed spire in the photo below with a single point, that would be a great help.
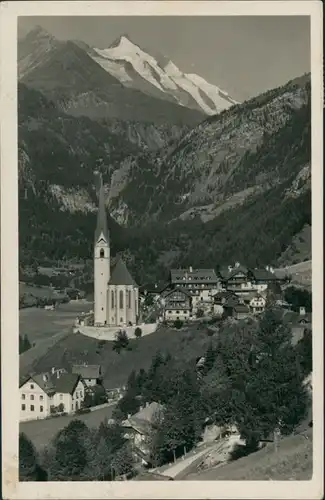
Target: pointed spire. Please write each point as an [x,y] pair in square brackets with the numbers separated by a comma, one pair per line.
[101,215]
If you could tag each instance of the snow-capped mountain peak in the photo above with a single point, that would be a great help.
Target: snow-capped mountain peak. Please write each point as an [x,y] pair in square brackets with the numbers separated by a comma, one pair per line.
[134,67]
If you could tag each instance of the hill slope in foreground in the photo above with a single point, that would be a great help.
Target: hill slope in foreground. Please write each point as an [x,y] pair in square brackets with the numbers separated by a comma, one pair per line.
[185,345]
[292,461]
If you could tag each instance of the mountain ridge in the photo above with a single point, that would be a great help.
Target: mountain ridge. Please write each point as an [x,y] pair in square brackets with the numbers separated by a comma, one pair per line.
[124,62]
[65,73]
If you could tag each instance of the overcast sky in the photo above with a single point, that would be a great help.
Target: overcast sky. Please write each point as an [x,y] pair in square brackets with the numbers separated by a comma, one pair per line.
[243,55]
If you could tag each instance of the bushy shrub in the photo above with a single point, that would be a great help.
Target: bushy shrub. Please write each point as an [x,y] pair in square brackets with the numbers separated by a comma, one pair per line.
[178,324]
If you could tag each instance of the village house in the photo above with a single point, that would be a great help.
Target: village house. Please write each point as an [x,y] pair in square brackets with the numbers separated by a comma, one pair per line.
[43,394]
[177,305]
[91,374]
[236,310]
[261,279]
[235,279]
[256,303]
[138,429]
[219,299]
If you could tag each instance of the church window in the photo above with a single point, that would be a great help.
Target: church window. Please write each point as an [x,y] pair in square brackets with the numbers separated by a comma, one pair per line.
[121,299]
[102,309]
[129,299]
[112,299]
[102,253]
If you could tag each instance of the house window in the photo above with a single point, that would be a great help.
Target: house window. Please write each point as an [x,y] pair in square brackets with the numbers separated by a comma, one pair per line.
[121,299]
[23,396]
[77,395]
[41,408]
[102,253]
[32,386]
[23,407]
[112,299]
[169,312]
[41,398]
[177,312]
[32,396]
[31,407]
[81,396]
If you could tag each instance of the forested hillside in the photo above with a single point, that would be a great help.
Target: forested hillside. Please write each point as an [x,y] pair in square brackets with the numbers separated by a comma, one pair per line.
[259,150]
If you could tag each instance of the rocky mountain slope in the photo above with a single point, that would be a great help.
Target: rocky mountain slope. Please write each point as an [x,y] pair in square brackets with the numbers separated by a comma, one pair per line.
[65,73]
[222,161]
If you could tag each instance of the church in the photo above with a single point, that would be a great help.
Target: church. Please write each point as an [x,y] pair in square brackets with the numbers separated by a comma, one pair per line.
[116,294]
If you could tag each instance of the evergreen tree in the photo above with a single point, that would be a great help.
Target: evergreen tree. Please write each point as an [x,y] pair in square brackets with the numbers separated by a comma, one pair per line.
[182,420]
[264,387]
[29,469]
[70,453]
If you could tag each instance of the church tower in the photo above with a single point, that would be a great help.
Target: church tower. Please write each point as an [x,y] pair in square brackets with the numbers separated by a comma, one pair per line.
[101,261]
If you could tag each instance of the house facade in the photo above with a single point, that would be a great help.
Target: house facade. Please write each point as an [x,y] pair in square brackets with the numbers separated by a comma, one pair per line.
[257,304]
[138,427]
[201,283]
[70,392]
[236,279]
[177,305]
[35,398]
[42,394]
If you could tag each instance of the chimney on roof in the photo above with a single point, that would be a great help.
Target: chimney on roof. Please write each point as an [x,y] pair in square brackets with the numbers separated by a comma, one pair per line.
[230,268]
[191,269]
[129,415]
[44,377]
[237,264]
[271,270]
[147,404]
[302,311]
[267,268]
[53,370]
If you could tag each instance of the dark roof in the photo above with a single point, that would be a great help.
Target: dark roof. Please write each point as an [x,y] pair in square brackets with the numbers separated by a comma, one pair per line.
[66,383]
[224,295]
[263,274]
[177,275]
[87,371]
[101,214]
[231,302]
[43,380]
[154,287]
[225,273]
[178,289]
[306,318]
[241,308]
[121,275]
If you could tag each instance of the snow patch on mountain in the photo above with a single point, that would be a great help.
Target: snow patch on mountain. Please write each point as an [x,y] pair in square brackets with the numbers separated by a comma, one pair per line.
[188,90]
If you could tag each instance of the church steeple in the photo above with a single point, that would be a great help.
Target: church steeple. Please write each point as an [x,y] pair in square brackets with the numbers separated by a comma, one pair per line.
[101,228]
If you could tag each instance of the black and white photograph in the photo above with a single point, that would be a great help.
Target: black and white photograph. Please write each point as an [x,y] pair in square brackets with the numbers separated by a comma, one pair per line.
[161,197]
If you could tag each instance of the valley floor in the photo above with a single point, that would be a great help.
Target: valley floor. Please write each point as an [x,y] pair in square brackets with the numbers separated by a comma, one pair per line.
[42,431]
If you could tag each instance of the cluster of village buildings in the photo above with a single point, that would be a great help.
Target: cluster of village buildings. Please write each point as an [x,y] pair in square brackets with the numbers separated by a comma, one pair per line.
[235,291]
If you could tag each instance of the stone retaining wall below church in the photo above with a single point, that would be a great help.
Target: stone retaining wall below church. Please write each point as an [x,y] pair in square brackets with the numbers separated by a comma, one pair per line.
[109,333]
